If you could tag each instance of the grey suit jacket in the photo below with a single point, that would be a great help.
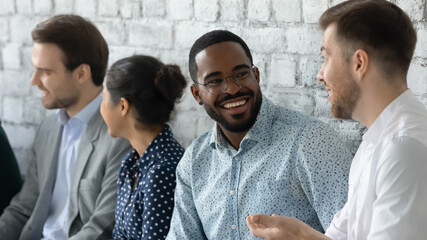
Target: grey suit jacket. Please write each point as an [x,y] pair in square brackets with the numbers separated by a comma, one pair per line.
[93,187]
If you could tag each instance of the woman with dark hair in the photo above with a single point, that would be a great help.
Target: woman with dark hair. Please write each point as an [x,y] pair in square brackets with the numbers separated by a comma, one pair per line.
[136,104]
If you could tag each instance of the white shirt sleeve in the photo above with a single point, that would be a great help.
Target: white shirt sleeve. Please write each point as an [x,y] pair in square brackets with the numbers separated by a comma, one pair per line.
[399,211]
[338,228]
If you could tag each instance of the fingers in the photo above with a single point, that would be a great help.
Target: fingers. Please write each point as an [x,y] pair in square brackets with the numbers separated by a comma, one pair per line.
[254,226]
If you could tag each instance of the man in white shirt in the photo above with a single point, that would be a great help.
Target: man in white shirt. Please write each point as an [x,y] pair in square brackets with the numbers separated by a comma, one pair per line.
[368,46]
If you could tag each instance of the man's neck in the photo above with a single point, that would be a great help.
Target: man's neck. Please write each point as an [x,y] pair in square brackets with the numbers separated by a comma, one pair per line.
[234,138]
[84,100]
[374,100]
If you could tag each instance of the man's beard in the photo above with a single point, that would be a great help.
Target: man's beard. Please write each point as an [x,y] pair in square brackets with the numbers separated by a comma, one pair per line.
[345,101]
[63,102]
[240,127]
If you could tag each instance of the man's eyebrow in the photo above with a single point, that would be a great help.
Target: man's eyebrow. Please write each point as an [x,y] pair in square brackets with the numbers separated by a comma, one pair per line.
[43,69]
[219,73]
[240,67]
[212,74]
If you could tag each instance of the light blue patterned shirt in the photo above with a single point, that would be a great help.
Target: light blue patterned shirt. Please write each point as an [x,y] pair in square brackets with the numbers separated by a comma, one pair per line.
[288,163]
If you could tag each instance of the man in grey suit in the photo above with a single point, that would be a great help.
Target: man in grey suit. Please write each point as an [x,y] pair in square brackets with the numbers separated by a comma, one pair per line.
[70,186]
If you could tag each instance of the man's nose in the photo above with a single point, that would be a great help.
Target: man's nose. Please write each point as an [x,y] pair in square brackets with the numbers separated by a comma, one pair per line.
[319,76]
[35,80]
[232,86]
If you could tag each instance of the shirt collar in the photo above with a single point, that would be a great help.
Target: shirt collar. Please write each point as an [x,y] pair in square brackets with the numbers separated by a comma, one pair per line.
[84,115]
[155,148]
[257,132]
[387,115]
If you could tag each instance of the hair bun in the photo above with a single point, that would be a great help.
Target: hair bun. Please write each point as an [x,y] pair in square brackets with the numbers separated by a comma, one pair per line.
[170,82]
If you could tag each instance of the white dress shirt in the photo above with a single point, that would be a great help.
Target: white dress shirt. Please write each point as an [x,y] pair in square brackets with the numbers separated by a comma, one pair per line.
[387,184]
[56,226]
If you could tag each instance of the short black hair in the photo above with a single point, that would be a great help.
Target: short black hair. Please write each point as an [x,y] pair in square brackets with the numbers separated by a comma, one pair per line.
[211,38]
[149,85]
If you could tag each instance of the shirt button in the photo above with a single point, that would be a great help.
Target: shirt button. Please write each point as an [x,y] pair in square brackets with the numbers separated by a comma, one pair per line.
[233,226]
[236,158]
[232,192]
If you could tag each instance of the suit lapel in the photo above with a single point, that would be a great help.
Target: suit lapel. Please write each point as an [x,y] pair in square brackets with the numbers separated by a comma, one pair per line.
[87,143]
[41,210]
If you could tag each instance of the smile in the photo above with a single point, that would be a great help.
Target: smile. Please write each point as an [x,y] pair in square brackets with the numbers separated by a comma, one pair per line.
[235,104]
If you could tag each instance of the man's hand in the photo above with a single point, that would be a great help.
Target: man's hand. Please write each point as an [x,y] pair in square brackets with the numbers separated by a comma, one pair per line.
[281,228]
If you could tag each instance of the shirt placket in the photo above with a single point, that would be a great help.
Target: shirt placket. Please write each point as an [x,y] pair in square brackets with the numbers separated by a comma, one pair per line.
[234,185]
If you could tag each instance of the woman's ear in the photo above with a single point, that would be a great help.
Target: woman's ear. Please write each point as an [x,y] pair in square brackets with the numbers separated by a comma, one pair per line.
[124,107]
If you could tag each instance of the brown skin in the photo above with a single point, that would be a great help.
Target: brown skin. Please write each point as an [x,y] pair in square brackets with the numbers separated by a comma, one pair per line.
[122,121]
[222,59]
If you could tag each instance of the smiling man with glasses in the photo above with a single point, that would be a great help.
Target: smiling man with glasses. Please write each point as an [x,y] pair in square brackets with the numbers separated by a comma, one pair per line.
[258,157]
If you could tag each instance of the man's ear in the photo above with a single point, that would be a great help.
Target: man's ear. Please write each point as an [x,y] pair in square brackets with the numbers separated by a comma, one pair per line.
[124,107]
[195,90]
[256,72]
[360,64]
[83,73]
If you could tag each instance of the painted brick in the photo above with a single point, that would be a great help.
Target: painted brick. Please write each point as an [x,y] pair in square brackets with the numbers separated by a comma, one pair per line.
[43,7]
[34,112]
[421,48]
[259,10]
[7,7]
[180,10]
[85,8]
[313,9]
[153,8]
[417,76]
[187,33]
[113,31]
[20,136]
[24,7]
[232,10]
[130,9]
[26,54]
[303,40]
[13,109]
[152,34]
[287,10]
[335,2]
[4,30]
[22,34]
[265,39]
[187,102]
[117,53]
[308,68]
[63,6]
[282,73]
[206,10]
[323,106]
[294,100]
[414,8]
[11,56]
[108,8]
[15,83]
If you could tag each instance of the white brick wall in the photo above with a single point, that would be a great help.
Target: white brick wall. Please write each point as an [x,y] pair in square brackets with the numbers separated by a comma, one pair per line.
[282,34]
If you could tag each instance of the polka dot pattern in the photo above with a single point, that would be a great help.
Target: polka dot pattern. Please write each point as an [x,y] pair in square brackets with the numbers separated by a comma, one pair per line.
[144,211]
[288,163]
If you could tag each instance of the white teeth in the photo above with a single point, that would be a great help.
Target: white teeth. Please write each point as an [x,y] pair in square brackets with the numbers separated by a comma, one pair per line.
[234,104]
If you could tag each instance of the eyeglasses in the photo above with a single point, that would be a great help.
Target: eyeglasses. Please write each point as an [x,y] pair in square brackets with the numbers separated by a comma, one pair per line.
[217,84]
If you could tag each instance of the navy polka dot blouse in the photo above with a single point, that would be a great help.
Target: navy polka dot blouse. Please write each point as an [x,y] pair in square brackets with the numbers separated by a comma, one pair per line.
[144,211]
